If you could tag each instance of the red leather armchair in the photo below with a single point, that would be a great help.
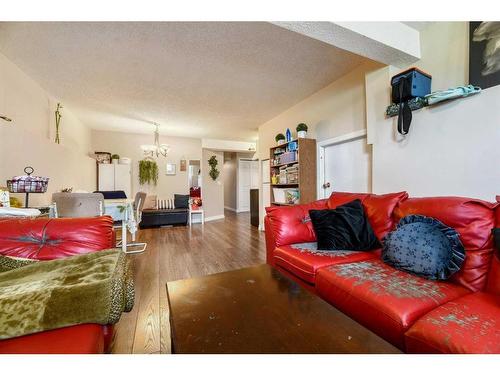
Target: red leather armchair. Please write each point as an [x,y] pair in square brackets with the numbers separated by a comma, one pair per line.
[47,239]
[461,315]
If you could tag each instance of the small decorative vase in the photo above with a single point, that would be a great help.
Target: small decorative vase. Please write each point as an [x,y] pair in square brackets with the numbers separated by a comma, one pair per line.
[302,134]
[288,135]
[281,141]
[114,161]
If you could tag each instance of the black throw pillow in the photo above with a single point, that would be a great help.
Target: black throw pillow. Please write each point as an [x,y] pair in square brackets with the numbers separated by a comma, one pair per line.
[344,228]
[181,201]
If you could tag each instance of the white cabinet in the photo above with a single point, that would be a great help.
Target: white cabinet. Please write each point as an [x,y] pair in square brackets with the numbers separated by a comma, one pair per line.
[115,177]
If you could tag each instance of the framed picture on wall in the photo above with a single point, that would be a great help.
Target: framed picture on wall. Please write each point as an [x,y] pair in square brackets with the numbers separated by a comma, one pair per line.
[171,169]
[484,56]
[182,166]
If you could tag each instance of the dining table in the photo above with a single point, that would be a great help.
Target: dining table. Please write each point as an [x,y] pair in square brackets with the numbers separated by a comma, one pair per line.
[122,210]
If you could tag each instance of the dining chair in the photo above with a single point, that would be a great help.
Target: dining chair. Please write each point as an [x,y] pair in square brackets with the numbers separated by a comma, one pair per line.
[78,204]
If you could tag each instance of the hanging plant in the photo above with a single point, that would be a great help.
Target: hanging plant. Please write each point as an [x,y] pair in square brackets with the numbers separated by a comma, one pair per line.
[58,121]
[214,172]
[148,172]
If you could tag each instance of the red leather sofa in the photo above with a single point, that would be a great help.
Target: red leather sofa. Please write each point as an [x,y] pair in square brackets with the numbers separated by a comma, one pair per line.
[461,315]
[47,239]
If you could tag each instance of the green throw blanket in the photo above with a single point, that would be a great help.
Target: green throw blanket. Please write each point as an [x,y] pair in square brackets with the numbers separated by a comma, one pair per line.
[39,296]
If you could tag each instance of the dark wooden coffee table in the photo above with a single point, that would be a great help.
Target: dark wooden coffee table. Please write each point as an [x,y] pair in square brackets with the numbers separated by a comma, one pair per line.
[258,310]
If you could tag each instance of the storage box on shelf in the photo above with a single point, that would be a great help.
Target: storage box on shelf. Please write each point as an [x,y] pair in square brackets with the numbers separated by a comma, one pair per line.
[293,172]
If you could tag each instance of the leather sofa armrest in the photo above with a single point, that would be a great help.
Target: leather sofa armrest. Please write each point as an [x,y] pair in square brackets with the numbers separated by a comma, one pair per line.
[291,224]
[270,241]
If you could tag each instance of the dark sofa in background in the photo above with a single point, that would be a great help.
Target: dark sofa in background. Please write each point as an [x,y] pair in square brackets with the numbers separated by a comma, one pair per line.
[179,215]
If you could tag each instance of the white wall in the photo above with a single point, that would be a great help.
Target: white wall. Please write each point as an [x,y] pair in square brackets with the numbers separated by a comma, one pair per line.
[29,138]
[229,179]
[212,191]
[452,147]
[128,145]
[451,150]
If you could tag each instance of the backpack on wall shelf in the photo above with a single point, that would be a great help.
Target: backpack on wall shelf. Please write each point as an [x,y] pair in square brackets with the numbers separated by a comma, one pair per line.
[407,85]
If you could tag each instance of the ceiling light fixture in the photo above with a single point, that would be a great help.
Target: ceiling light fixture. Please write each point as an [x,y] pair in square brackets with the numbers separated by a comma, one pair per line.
[158,148]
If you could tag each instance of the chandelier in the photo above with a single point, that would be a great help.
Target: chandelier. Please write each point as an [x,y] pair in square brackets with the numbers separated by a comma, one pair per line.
[158,148]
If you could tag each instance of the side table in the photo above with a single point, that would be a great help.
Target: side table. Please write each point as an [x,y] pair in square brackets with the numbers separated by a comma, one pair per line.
[193,212]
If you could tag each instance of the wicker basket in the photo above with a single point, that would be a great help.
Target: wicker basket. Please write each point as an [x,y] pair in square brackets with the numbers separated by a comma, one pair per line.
[28,185]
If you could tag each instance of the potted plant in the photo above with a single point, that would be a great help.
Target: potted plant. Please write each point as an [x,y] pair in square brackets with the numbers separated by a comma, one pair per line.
[115,158]
[280,138]
[301,130]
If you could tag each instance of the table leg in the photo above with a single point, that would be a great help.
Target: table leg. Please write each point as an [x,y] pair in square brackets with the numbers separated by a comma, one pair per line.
[124,236]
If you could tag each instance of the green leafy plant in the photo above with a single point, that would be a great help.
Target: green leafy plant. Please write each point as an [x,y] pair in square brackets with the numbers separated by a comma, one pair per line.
[148,172]
[280,137]
[214,172]
[302,127]
[115,156]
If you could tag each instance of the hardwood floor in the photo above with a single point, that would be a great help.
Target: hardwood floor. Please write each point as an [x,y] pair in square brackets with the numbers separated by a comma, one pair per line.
[181,253]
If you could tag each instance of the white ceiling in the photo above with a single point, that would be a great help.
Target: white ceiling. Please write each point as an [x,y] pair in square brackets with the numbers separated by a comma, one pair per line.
[418,25]
[198,79]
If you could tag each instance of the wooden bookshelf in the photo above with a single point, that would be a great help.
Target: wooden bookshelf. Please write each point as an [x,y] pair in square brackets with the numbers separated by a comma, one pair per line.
[305,161]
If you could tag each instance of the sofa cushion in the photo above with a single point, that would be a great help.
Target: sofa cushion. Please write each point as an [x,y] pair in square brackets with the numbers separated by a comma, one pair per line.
[150,203]
[304,259]
[47,239]
[292,224]
[470,324]
[473,219]
[379,208]
[385,300]
[79,339]
[425,247]
[344,228]
[181,201]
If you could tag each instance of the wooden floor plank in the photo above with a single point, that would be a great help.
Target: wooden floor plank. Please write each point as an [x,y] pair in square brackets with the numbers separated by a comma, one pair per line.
[176,253]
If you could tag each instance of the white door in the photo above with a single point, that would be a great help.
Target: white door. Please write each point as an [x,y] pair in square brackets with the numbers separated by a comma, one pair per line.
[346,167]
[244,184]
[123,180]
[254,174]
[106,177]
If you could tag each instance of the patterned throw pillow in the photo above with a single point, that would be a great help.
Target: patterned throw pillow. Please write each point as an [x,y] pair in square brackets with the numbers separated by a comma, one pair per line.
[424,247]
[150,203]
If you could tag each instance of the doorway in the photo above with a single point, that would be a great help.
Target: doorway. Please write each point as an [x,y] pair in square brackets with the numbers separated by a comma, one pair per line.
[248,178]
[345,164]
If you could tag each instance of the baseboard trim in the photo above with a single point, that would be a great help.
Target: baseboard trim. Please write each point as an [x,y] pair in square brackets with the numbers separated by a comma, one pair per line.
[230,208]
[212,218]
[240,211]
